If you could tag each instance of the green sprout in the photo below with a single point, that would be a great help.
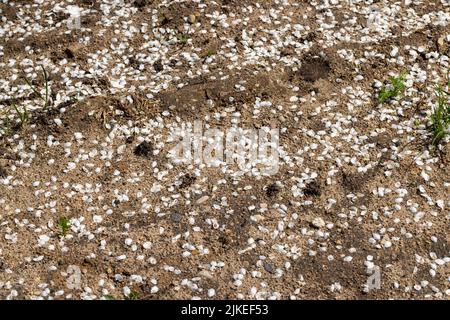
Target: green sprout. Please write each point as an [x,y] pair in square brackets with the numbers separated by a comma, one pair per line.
[133,295]
[211,53]
[73,98]
[64,225]
[6,126]
[44,98]
[182,37]
[440,118]
[396,87]
[24,116]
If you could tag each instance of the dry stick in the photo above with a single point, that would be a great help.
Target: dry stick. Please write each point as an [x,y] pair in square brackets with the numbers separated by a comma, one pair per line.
[46,86]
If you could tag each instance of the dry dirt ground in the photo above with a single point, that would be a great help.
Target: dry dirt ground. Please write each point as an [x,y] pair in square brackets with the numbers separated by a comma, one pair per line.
[93,207]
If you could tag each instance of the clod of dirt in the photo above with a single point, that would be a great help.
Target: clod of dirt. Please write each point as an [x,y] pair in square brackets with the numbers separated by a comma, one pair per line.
[312,189]
[3,172]
[289,51]
[144,149]
[164,20]
[440,44]
[311,36]
[191,100]
[352,182]
[314,68]
[88,2]
[140,3]
[269,267]
[133,62]
[158,66]
[69,53]
[318,223]
[272,190]
[129,139]
[61,16]
[174,14]
[187,180]
[176,217]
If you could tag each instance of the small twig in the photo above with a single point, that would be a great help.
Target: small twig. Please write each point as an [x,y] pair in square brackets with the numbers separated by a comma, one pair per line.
[46,87]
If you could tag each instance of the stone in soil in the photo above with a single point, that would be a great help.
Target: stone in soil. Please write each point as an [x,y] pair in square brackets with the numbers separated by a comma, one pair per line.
[144,149]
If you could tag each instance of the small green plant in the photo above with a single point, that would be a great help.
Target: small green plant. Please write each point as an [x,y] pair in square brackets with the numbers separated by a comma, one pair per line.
[182,37]
[44,98]
[417,122]
[73,98]
[23,115]
[394,89]
[440,118]
[6,126]
[64,225]
[211,53]
[108,297]
[133,295]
